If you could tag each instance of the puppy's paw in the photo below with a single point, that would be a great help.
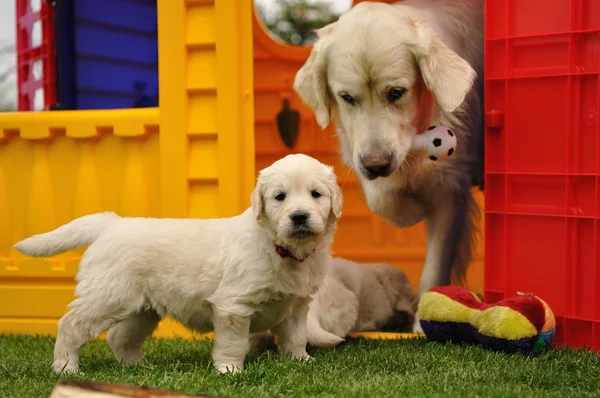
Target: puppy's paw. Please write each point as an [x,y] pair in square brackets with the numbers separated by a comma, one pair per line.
[229,367]
[65,367]
[303,356]
[131,357]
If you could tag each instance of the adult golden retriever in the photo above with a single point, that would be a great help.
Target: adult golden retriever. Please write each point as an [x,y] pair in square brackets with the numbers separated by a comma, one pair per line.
[385,73]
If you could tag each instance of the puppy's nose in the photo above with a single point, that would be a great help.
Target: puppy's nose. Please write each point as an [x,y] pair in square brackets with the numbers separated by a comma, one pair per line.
[377,164]
[299,218]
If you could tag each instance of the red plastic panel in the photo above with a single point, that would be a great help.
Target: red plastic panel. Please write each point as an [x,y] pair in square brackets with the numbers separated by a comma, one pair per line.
[542,200]
[36,66]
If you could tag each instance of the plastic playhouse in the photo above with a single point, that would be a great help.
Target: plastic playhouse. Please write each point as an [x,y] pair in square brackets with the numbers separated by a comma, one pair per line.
[542,207]
[208,82]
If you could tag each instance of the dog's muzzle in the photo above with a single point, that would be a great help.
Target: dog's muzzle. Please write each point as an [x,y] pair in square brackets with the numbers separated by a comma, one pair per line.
[300,228]
[301,232]
[377,164]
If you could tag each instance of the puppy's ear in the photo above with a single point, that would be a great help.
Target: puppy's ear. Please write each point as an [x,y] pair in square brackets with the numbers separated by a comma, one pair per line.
[446,74]
[310,82]
[258,203]
[337,198]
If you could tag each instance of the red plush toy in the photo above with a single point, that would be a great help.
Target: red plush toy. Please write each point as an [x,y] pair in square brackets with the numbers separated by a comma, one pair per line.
[524,323]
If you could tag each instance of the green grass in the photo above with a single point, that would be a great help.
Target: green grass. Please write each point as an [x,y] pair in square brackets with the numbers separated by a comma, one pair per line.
[359,368]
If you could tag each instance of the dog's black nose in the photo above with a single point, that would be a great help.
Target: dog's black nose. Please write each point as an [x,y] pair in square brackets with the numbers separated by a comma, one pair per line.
[299,218]
[377,164]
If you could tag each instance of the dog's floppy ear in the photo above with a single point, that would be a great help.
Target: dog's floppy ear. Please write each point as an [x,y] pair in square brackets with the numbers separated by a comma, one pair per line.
[311,80]
[258,203]
[446,74]
[337,198]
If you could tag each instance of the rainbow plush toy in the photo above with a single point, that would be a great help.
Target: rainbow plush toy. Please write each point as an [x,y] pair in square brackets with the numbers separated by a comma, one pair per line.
[524,323]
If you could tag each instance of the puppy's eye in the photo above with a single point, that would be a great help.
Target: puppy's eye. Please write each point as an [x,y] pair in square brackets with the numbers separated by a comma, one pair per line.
[280,197]
[395,94]
[315,194]
[348,98]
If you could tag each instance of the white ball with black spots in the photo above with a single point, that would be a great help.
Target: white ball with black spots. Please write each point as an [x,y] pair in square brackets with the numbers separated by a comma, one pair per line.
[438,143]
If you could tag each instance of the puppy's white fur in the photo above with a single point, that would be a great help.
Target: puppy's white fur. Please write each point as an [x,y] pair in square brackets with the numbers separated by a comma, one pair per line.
[432,49]
[218,274]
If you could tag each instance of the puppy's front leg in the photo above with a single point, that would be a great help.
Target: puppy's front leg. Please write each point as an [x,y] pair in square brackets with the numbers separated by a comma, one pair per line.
[291,332]
[232,341]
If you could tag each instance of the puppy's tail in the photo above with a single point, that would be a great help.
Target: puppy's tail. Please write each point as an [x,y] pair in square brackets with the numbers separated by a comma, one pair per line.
[317,336]
[79,232]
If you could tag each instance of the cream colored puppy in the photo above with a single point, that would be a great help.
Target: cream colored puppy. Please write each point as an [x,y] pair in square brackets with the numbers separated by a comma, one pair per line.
[237,276]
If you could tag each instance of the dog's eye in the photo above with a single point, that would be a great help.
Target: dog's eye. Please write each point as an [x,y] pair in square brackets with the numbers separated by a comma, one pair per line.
[395,94]
[348,98]
[280,197]
[315,194]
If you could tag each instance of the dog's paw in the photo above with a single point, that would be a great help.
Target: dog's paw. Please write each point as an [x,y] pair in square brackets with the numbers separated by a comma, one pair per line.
[65,367]
[304,357]
[132,357]
[229,367]
[416,327]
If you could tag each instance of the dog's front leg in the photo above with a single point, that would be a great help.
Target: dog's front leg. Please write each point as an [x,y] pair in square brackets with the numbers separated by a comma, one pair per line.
[232,341]
[437,225]
[450,226]
[291,332]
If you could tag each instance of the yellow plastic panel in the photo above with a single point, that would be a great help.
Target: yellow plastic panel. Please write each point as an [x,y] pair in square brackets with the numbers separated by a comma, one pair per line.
[202,115]
[204,160]
[202,69]
[41,299]
[236,105]
[201,30]
[57,166]
[206,107]
[204,198]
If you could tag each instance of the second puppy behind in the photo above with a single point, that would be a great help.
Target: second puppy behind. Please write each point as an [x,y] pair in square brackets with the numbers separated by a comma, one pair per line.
[359,297]
[355,297]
